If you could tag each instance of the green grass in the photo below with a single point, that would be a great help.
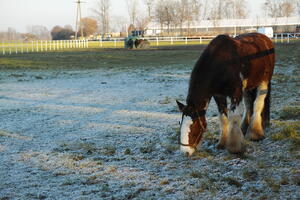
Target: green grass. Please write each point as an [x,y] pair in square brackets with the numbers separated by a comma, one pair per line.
[290,112]
[289,132]
[103,58]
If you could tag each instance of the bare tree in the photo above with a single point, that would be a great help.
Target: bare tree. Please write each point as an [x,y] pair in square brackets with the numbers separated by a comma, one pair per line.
[181,14]
[149,4]
[132,8]
[41,32]
[229,9]
[298,7]
[241,11]
[142,22]
[102,12]
[193,11]
[166,13]
[160,14]
[278,8]
[119,24]
[287,8]
[186,11]
[271,8]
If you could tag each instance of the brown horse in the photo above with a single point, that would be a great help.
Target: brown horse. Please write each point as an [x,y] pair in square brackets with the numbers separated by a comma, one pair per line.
[237,68]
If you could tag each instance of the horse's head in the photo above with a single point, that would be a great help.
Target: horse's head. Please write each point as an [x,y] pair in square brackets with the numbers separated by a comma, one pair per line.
[192,127]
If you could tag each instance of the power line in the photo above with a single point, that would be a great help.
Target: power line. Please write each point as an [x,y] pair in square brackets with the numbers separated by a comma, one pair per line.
[78,18]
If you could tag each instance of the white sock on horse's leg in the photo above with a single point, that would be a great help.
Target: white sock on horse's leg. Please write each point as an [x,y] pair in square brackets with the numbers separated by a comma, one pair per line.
[235,139]
[224,128]
[255,130]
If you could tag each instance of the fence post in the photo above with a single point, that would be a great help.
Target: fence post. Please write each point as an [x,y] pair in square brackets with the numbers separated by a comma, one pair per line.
[185,40]
[156,41]
[27,46]
[87,44]
[3,51]
[22,51]
[37,46]
[9,48]
[101,43]
[200,40]
[171,40]
[16,48]
[281,38]
[288,40]
[115,42]
[42,48]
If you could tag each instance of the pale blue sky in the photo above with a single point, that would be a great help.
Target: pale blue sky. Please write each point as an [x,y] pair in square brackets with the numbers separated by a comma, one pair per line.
[19,14]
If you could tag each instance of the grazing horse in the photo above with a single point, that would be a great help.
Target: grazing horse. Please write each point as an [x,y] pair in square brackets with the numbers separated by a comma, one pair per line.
[230,69]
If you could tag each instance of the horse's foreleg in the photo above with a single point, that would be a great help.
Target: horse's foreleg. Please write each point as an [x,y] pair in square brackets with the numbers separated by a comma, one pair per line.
[224,124]
[235,139]
[255,130]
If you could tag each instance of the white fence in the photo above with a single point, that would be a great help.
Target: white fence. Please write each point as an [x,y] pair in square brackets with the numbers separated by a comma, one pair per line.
[16,47]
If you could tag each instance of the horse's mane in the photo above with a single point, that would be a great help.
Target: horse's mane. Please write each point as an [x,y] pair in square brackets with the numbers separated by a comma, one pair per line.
[209,65]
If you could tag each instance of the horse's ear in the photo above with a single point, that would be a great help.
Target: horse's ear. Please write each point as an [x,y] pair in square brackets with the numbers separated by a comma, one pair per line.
[181,106]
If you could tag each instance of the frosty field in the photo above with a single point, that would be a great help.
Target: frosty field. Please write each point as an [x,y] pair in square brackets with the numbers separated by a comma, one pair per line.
[103,124]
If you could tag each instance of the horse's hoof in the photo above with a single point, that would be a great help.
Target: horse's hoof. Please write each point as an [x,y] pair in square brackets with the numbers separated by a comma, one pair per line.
[255,136]
[236,150]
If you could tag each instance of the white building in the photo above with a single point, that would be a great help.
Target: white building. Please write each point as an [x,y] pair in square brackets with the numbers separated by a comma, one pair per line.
[231,26]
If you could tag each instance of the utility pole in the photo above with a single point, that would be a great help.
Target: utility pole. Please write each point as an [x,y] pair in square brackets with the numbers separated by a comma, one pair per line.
[78,19]
[234,16]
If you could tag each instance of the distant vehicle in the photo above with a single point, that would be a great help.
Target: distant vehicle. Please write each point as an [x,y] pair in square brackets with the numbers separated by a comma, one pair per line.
[136,40]
[297,29]
[268,31]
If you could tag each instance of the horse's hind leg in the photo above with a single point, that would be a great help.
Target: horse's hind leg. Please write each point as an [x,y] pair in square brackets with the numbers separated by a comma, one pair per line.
[248,101]
[266,111]
[255,130]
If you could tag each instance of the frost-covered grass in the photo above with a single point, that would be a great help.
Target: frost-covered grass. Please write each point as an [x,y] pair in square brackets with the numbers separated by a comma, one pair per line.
[104,125]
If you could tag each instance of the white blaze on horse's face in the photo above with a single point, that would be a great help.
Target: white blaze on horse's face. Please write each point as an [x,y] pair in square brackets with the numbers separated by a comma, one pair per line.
[184,134]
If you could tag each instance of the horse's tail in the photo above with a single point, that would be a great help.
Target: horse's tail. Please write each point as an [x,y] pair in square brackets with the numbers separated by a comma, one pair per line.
[266,110]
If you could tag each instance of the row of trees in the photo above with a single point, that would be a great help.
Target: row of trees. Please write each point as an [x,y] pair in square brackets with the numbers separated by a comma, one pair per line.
[89,27]
[168,13]
[175,13]
[36,32]
[281,8]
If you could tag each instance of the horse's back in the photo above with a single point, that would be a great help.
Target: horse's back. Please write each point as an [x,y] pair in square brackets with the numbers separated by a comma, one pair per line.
[257,56]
